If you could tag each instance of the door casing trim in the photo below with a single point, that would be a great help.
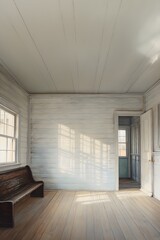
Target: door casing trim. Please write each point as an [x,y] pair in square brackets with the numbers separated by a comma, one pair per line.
[118,114]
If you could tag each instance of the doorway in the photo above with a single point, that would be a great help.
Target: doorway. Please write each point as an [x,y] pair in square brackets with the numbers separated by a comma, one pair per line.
[129,152]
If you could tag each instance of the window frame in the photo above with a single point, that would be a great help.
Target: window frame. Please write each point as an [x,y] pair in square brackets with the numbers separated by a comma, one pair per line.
[121,142]
[8,107]
[127,142]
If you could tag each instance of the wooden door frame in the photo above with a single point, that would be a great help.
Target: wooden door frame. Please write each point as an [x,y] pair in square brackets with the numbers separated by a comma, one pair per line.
[151,193]
[118,114]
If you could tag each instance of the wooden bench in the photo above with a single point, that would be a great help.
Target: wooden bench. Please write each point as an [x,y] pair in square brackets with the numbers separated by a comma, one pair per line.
[14,186]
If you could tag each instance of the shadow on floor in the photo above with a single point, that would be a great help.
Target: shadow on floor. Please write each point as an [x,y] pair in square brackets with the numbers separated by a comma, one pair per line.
[127,183]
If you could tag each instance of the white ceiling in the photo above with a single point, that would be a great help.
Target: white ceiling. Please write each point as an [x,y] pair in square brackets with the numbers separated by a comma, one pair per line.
[81,46]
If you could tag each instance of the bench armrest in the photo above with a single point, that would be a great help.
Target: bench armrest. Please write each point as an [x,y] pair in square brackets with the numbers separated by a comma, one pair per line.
[6,214]
[7,201]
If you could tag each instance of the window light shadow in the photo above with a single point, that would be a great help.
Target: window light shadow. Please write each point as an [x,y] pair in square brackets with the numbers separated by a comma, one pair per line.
[82,157]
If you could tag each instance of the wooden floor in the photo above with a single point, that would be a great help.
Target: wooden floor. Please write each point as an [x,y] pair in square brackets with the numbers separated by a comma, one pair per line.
[86,215]
[127,183]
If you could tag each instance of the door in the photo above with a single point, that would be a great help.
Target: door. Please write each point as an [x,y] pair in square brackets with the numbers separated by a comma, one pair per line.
[135,149]
[146,153]
[124,152]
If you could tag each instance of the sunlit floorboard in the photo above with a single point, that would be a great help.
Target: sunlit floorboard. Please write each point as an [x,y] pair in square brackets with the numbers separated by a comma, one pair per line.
[64,215]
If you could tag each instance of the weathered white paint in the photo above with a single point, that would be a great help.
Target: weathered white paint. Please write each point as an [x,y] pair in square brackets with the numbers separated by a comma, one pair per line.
[12,96]
[73,139]
[152,99]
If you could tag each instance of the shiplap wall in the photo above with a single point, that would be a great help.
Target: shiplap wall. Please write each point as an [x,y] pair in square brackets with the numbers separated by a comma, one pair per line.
[14,97]
[152,99]
[73,139]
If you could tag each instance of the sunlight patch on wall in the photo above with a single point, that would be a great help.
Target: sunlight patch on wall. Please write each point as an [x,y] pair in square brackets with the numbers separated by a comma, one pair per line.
[84,158]
[66,148]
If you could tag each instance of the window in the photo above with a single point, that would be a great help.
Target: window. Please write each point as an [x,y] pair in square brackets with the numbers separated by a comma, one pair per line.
[122,143]
[8,136]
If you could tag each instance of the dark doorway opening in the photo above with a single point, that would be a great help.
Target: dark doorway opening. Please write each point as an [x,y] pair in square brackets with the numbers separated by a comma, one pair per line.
[129,152]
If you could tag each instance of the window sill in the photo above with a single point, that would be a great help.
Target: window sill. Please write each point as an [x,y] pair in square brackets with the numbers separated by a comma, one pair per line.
[9,166]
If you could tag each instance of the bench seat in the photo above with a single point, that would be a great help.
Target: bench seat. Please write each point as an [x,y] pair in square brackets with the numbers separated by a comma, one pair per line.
[21,193]
[14,186]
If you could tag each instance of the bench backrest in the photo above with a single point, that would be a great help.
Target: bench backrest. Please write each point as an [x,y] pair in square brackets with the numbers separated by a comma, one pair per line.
[12,180]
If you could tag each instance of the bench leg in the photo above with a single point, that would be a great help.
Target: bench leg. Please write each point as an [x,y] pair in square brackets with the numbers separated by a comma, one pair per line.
[39,192]
[6,214]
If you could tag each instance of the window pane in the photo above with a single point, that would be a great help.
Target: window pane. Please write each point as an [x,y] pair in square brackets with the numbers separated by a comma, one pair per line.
[9,119]
[13,156]
[6,130]
[122,150]
[2,116]
[2,156]
[121,135]
[11,144]
[122,139]
[9,131]
[3,143]
[7,140]
[2,128]
[10,156]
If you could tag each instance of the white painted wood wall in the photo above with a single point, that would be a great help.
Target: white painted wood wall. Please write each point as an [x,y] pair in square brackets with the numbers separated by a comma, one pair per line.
[152,99]
[17,98]
[73,139]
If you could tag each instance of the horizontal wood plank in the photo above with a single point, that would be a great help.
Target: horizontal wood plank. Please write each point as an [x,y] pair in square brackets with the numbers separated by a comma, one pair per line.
[73,139]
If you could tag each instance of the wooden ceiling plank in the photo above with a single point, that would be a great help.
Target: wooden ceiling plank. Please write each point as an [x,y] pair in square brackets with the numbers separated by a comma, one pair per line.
[108,52]
[18,52]
[46,28]
[136,34]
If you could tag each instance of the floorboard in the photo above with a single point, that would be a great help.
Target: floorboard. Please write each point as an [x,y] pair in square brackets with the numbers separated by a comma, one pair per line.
[128,183]
[71,215]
